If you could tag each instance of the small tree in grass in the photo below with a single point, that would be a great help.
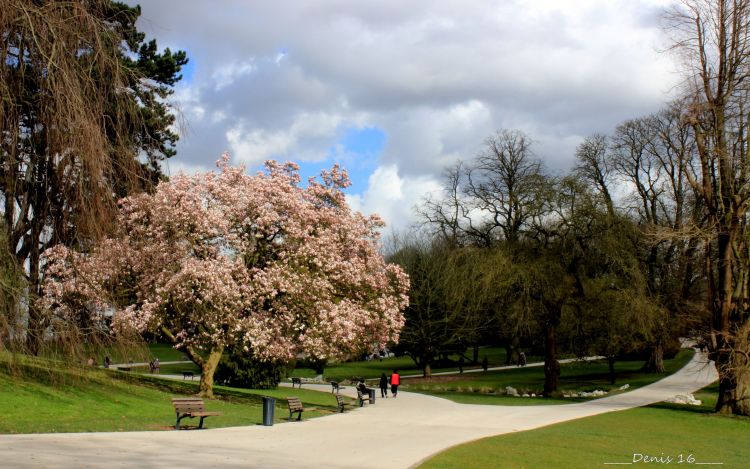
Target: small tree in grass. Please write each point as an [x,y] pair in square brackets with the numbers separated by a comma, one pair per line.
[221,258]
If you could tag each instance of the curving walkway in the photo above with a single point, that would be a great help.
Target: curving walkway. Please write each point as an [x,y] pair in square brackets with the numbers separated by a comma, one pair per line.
[394,433]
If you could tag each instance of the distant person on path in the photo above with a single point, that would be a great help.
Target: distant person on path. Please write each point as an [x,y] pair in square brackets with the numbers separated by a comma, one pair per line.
[461,365]
[395,381]
[90,362]
[383,385]
[485,363]
[106,361]
[521,359]
[157,366]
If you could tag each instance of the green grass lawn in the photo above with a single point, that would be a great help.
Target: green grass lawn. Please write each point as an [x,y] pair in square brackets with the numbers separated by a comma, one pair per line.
[662,430]
[373,368]
[166,353]
[41,401]
[489,387]
[133,353]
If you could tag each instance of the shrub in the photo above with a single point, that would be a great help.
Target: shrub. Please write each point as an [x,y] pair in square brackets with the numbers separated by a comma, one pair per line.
[241,369]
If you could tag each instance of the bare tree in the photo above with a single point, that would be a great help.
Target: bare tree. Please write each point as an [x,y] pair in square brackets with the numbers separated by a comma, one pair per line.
[494,197]
[595,166]
[506,183]
[713,36]
[448,216]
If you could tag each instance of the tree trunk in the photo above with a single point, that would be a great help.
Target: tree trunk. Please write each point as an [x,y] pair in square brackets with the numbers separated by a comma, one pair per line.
[427,369]
[655,361]
[611,363]
[207,372]
[721,344]
[551,365]
[508,354]
[734,380]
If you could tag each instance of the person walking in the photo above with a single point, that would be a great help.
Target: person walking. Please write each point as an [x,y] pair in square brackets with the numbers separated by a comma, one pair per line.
[395,381]
[383,385]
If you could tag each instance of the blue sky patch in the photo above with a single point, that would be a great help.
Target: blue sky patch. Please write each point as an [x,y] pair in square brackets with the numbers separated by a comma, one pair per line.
[358,151]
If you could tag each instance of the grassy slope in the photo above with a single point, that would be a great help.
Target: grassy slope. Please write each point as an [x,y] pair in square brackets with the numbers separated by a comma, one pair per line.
[166,353]
[114,401]
[489,387]
[661,430]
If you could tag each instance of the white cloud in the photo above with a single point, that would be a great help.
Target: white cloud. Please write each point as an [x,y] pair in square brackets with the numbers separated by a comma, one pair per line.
[437,76]
[172,168]
[393,197]
[422,141]
[226,74]
[256,146]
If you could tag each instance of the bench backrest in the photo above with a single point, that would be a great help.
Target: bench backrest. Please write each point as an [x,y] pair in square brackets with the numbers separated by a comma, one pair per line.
[294,403]
[339,399]
[188,405]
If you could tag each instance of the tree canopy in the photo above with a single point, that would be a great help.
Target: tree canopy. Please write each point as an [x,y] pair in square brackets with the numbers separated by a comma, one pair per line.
[226,258]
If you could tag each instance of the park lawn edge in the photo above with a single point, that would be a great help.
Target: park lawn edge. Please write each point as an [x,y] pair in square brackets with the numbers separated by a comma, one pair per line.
[659,430]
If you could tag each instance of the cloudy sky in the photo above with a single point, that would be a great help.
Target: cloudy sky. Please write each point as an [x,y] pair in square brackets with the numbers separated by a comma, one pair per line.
[394,91]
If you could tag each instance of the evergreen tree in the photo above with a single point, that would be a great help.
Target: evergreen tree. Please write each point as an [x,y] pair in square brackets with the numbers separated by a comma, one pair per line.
[84,121]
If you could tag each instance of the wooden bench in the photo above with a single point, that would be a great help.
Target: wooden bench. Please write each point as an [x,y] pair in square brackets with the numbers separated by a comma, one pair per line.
[362,398]
[340,402]
[187,374]
[190,407]
[296,381]
[295,406]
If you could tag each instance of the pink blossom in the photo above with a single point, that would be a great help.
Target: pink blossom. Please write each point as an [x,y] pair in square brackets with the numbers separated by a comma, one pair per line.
[218,258]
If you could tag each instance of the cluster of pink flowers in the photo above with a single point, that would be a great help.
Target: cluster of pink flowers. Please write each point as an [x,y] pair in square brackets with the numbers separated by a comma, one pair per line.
[223,257]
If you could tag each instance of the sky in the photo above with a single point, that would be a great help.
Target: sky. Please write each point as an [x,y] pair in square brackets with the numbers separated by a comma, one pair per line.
[395,91]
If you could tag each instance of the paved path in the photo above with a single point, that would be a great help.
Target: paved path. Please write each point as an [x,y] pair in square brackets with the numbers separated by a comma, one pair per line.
[144,364]
[394,433]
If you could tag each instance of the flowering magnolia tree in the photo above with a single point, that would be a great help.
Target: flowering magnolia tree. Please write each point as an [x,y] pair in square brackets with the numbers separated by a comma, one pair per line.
[222,258]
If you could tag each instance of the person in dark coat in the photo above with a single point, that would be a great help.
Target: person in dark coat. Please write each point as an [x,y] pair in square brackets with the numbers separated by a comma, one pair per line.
[383,385]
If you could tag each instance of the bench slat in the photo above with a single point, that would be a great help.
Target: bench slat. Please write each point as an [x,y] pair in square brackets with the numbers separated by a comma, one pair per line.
[295,406]
[340,402]
[190,407]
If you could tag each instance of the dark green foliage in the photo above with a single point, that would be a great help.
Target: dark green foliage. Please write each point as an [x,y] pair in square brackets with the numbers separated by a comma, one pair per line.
[432,326]
[240,369]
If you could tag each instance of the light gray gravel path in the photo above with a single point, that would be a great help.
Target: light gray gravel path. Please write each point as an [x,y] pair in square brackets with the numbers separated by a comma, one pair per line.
[394,433]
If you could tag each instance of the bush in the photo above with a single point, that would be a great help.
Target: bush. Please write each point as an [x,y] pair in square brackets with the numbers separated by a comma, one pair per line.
[240,369]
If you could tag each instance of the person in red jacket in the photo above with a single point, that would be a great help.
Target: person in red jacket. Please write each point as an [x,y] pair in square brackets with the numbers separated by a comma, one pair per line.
[395,381]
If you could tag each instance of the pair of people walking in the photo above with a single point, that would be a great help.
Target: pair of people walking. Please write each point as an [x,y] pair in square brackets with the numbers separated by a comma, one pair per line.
[395,381]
